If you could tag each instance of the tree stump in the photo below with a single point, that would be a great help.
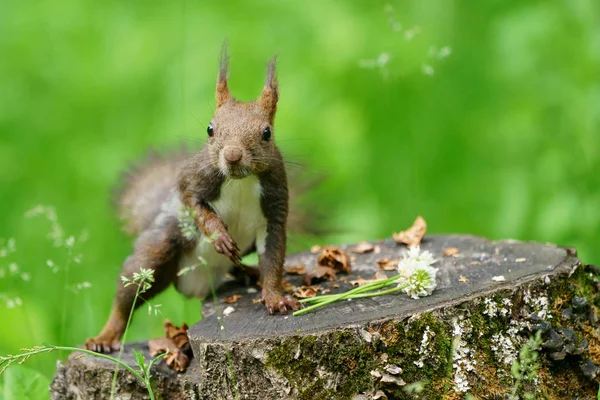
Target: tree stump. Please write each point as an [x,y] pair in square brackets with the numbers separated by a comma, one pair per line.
[462,339]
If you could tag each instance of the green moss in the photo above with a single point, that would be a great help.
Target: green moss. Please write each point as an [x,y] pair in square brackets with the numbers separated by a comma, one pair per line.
[346,354]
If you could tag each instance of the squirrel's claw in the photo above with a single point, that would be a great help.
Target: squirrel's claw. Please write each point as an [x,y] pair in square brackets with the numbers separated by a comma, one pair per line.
[102,346]
[280,303]
[225,245]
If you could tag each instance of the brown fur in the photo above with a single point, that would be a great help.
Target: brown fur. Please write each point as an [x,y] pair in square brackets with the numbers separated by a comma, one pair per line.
[160,245]
[145,187]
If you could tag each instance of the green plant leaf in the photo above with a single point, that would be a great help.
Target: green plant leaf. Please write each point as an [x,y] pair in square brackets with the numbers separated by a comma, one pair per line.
[22,383]
[141,361]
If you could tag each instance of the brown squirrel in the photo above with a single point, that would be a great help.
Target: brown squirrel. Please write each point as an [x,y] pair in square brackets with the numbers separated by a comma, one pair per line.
[237,188]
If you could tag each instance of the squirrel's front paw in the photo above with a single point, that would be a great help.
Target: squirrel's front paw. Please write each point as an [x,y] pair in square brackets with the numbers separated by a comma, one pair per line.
[225,245]
[277,302]
[102,346]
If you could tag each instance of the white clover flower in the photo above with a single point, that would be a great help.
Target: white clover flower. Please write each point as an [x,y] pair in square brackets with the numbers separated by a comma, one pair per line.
[417,273]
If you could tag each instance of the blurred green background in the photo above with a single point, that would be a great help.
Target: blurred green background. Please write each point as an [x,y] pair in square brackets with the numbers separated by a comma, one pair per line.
[481,116]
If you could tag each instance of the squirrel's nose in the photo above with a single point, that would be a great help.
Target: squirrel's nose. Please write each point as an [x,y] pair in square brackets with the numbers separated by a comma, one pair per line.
[233,154]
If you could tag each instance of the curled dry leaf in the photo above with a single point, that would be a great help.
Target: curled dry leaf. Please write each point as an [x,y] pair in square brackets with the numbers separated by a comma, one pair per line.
[463,279]
[413,235]
[380,275]
[315,249]
[387,264]
[451,252]
[304,292]
[176,343]
[334,257]
[178,334]
[359,281]
[299,269]
[176,359]
[286,286]
[319,272]
[256,301]
[362,247]
[232,299]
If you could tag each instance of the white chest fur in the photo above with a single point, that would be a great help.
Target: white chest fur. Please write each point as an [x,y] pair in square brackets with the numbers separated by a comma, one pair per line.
[239,207]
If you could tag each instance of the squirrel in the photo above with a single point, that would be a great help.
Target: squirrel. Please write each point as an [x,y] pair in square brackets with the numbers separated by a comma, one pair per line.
[236,187]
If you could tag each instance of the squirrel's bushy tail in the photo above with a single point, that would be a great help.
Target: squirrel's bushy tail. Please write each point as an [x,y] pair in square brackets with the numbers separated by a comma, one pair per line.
[145,186]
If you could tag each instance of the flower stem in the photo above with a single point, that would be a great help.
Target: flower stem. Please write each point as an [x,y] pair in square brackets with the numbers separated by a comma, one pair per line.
[361,289]
[364,288]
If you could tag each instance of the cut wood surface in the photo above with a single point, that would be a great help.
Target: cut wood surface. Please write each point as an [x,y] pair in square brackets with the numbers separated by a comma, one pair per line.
[491,297]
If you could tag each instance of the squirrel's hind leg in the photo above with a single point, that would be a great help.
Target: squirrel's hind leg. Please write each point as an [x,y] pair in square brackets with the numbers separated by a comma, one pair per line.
[158,249]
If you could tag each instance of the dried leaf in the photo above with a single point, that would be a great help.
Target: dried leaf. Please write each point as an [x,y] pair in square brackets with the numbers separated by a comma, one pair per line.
[256,301]
[463,279]
[315,249]
[299,269]
[319,272]
[177,334]
[176,359]
[304,292]
[232,299]
[334,285]
[286,286]
[387,264]
[334,257]
[359,281]
[362,247]
[451,252]
[160,346]
[413,235]
[377,249]
[380,275]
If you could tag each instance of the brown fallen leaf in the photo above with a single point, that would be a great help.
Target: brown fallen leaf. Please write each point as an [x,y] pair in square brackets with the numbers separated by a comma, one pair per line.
[305,292]
[413,235]
[334,285]
[315,249]
[256,301]
[463,279]
[319,272]
[359,281]
[232,299]
[379,275]
[177,334]
[176,359]
[451,252]
[387,264]
[362,247]
[286,286]
[334,257]
[299,269]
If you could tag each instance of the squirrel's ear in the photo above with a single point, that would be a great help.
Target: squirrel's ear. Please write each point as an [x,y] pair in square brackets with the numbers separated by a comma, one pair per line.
[270,94]
[222,90]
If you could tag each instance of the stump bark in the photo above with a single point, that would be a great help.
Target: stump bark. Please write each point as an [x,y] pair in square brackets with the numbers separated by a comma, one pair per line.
[463,339]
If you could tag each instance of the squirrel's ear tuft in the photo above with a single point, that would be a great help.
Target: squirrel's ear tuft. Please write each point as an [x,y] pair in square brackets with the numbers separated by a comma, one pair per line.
[222,90]
[270,94]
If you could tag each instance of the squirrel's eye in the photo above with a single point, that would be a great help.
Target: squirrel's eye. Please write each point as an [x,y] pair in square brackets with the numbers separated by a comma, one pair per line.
[209,130]
[267,134]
